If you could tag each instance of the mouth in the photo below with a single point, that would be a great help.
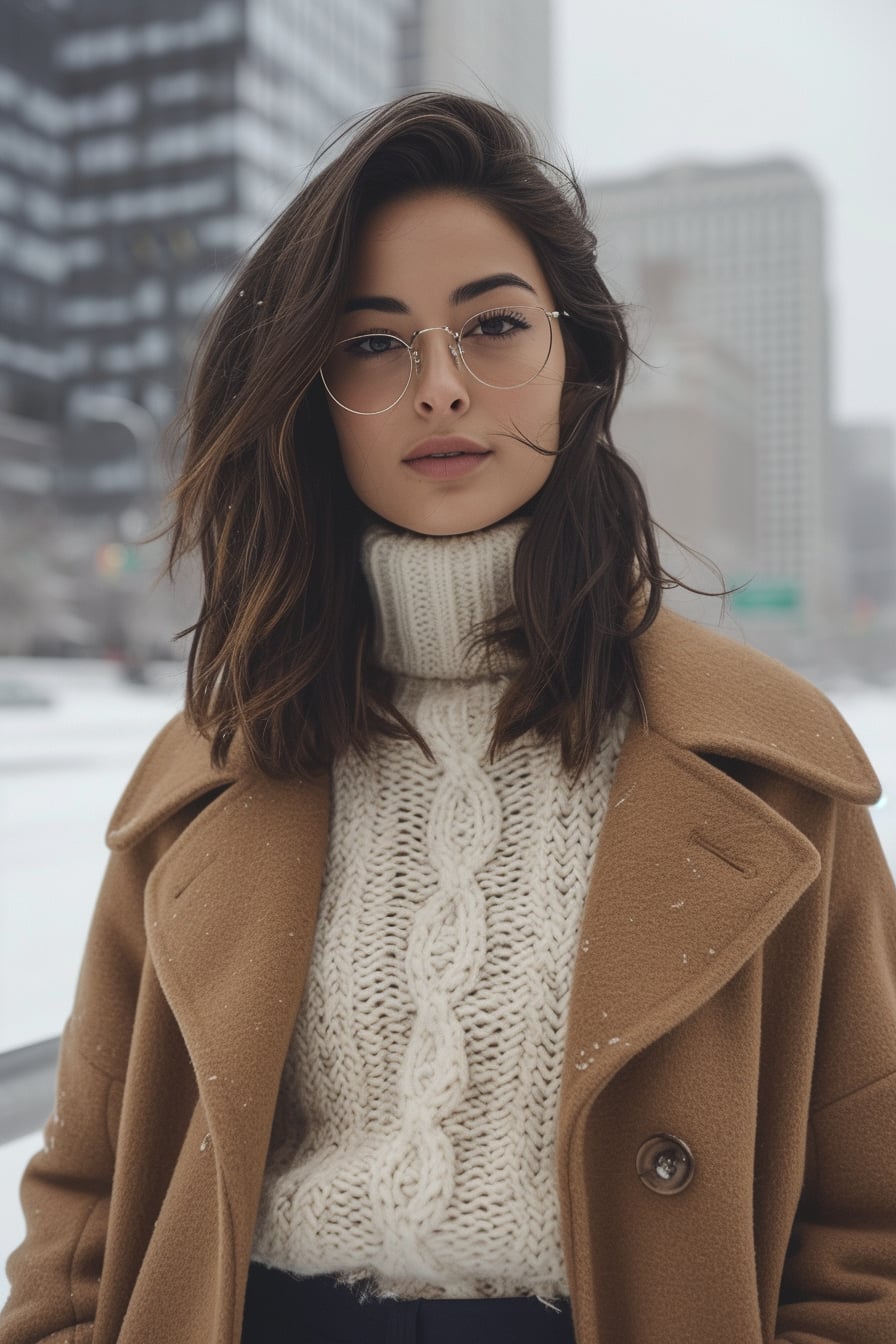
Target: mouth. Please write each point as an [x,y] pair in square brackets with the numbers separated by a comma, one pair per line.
[447,446]
[446,458]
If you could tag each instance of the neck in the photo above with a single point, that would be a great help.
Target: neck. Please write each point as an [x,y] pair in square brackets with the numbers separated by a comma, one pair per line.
[430,593]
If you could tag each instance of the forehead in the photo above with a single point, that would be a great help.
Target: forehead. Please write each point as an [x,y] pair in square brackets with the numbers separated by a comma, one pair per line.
[437,240]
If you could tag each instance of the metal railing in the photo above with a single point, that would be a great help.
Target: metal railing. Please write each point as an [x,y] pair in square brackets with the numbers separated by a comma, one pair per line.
[27,1088]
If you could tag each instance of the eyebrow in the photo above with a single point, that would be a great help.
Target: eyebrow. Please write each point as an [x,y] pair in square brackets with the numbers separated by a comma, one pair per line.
[382,303]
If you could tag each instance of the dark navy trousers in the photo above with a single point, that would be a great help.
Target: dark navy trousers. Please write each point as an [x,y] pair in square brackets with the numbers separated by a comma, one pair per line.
[282,1309]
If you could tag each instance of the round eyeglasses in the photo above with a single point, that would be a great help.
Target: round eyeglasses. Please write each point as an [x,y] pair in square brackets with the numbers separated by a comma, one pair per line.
[501,347]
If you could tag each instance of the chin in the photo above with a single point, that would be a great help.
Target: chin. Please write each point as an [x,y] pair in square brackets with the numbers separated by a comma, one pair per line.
[453,518]
[456,527]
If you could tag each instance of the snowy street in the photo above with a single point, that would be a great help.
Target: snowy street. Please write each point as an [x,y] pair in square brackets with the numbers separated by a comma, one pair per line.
[62,769]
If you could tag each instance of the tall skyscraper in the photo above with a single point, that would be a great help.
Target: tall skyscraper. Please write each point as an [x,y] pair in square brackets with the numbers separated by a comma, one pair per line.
[499,51]
[33,168]
[750,242]
[687,423]
[865,477]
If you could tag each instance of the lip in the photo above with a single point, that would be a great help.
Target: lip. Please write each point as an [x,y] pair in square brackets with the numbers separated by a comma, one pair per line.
[448,468]
[448,443]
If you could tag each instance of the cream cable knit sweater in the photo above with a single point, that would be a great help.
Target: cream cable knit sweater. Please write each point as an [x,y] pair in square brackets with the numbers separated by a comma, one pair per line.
[414,1138]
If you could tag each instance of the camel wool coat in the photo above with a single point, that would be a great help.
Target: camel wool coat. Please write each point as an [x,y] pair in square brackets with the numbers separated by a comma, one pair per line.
[726,1134]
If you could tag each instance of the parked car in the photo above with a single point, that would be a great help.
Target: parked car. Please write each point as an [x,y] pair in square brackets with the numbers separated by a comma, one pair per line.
[16,694]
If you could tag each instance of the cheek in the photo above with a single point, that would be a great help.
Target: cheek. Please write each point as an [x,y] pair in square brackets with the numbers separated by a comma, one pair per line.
[343,427]
[356,443]
[538,411]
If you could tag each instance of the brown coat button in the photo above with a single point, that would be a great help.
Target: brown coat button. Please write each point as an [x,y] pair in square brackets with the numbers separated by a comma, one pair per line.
[665,1164]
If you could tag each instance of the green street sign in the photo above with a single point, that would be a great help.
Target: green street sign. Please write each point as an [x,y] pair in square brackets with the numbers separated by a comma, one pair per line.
[763,596]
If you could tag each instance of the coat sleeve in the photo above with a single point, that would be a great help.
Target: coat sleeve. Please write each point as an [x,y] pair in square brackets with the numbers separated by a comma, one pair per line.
[839,1282]
[65,1191]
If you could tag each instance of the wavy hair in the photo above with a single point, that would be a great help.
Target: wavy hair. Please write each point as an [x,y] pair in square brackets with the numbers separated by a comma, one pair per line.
[281,650]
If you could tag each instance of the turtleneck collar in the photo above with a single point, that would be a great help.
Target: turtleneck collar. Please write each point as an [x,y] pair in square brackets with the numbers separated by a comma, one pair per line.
[429,592]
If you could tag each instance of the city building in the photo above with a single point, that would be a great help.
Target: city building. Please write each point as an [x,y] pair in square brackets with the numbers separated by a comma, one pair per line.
[33,171]
[865,477]
[751,238]
[499,51]
[687,423]
[28,597]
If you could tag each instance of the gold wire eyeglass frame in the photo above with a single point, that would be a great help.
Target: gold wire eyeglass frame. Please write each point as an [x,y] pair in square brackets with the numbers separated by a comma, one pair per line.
[415,364]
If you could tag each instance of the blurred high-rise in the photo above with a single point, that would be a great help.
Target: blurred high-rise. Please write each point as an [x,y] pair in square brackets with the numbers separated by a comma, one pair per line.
[865,479]
[499,51]
[747,242]
[33,176]
[688,422]
[33,167]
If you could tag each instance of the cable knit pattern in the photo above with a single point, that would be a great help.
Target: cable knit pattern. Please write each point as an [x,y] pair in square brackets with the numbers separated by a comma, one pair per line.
[413,1147]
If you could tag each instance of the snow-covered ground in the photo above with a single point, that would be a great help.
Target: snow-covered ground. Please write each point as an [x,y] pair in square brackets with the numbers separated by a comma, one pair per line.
[62,770]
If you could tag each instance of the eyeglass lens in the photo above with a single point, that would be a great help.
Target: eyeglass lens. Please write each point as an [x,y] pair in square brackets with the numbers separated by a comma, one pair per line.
[502,347]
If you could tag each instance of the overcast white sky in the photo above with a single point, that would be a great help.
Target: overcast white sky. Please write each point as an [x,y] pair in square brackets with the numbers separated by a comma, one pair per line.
[638,84]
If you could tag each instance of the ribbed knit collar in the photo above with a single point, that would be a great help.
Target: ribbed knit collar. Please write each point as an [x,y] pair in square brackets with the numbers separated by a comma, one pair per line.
[429,592]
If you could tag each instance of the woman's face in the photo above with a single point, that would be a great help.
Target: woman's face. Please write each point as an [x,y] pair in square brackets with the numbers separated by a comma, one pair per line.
[414,259]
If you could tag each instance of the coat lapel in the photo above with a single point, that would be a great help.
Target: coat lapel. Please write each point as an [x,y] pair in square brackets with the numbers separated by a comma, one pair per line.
[230,918]
[693,870]
[692,873]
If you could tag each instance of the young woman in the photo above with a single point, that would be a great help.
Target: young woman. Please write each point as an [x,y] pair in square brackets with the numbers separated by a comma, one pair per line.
[372,1039]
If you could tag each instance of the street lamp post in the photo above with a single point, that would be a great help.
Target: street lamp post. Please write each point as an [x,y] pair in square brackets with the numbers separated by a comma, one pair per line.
[139,422]
[144,430]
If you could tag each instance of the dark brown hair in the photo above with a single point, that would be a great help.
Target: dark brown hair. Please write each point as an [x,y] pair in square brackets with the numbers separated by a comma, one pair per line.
[281,648]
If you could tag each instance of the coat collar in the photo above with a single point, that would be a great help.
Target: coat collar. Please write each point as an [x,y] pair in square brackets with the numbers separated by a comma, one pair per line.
[710,694]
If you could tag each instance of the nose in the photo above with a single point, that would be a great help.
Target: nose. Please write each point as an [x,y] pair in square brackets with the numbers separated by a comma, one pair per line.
[440,379]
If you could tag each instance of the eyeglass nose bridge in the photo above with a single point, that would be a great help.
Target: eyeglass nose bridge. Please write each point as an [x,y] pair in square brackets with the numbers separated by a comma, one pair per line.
[454,347]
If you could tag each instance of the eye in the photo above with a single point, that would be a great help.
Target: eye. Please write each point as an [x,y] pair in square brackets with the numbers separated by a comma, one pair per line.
[372,344]
[496,323]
